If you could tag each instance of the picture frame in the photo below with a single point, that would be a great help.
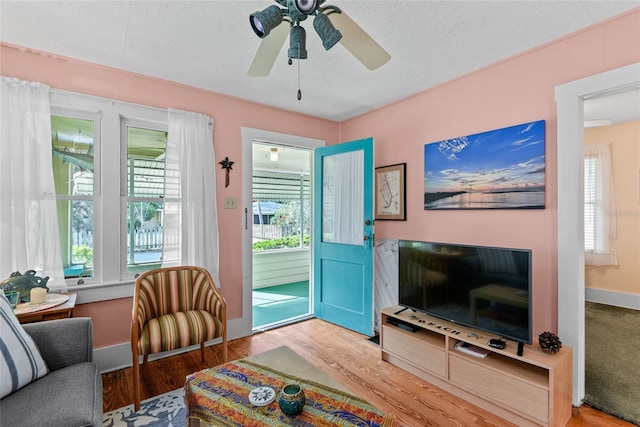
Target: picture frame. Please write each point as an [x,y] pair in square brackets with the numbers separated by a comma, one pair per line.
[390,192]
[498,169]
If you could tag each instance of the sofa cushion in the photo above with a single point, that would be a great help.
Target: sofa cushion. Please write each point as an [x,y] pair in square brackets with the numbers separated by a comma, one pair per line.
[21,362]
[70,396]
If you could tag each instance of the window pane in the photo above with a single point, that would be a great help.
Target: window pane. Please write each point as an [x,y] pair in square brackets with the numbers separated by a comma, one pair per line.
[145,180]
[73,161]
[589,203]
[342,200]
[75,222]
[145,237]
[145,162]
[73,172]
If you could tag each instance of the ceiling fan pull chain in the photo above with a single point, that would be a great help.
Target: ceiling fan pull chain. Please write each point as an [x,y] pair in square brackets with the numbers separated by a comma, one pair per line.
[299,91]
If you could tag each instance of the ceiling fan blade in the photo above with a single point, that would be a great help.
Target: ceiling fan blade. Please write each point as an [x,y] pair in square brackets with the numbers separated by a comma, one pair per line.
[358,42]
[268,51]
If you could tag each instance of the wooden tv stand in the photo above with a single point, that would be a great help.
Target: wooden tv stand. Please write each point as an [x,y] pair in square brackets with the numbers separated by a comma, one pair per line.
[529,390]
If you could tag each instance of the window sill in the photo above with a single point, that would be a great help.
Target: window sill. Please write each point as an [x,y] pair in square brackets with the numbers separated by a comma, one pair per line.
[103,291]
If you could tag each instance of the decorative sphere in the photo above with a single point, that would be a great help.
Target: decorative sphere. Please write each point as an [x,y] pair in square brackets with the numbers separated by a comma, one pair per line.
[291,399]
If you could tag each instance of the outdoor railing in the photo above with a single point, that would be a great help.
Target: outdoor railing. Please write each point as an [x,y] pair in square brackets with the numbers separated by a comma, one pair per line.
[145,239]
[272,231]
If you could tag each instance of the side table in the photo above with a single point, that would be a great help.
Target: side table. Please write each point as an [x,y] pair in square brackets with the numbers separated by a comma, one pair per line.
[61,311]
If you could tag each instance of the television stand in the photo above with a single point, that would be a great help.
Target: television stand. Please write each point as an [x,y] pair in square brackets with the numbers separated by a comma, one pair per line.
[531,390]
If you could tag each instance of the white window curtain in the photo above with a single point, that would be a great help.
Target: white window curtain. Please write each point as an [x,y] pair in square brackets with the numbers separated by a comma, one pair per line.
[29,235]
[599,206]
[190,216]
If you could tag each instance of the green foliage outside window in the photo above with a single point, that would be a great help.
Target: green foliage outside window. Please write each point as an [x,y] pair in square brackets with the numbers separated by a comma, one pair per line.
[83,254]
[281,243]
[289,215]
[150,209]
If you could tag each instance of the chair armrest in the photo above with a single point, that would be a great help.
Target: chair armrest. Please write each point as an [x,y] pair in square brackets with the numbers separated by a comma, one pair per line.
[63,342]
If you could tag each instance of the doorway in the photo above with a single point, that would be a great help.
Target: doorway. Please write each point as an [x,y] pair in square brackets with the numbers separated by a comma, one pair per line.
[571,276]
[288,144]
[612,132]
[281,230]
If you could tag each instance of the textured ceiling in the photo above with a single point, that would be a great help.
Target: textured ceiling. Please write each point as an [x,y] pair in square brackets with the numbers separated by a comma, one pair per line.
[210,45]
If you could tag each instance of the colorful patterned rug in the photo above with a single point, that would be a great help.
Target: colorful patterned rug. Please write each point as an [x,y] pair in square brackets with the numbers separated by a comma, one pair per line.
[220,396]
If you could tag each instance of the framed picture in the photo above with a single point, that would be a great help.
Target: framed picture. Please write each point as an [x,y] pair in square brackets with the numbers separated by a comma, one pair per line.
[390,192]
[499,169]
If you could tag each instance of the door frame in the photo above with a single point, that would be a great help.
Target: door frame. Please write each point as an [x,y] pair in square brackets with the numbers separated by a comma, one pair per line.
[248,136]
[570,150]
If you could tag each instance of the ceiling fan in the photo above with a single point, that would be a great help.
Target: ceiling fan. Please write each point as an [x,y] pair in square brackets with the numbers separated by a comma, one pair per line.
[331,24]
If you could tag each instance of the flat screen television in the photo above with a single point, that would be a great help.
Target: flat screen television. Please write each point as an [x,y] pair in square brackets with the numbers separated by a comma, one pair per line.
[487,288]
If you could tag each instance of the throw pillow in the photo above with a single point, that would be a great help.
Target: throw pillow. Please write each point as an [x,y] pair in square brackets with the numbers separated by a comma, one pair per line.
[21,361]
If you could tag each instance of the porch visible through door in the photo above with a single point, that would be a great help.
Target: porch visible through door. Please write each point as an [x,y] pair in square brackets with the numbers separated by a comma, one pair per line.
[280,221]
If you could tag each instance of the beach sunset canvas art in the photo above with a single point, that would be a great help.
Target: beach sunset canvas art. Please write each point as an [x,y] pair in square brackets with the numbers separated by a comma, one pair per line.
[499,169]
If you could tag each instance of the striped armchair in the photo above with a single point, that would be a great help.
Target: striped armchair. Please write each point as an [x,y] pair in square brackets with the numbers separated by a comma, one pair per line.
[173,308]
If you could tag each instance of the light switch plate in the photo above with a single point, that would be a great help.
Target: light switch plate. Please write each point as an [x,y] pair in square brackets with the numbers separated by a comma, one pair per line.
[229,202]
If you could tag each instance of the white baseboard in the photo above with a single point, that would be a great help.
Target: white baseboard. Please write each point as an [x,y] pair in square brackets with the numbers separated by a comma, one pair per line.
[618,299]
[118,356]
[113,357]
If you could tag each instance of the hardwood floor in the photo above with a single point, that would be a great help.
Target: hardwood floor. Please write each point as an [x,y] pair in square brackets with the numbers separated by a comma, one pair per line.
[346,356]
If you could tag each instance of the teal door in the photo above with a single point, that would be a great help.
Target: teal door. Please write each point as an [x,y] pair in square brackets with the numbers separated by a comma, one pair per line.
[343,230]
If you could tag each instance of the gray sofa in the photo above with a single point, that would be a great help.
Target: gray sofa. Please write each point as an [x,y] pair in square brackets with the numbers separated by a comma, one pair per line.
[70,395]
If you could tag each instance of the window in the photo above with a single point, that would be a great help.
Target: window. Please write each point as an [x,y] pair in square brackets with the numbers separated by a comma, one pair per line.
[73,137]
[108,163]
[599,206]
[144,171]
[589,203]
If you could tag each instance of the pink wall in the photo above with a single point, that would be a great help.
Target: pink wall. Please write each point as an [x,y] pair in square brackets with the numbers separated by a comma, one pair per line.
[513,91]
[112,319]
[517,90]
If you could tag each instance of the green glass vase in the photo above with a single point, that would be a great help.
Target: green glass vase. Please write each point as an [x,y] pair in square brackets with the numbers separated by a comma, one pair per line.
[291,399]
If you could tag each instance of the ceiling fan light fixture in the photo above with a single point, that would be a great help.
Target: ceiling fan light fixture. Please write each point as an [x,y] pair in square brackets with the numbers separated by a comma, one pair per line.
[326,31]
[297,40]
[265,20]
[332,25]
[305,7]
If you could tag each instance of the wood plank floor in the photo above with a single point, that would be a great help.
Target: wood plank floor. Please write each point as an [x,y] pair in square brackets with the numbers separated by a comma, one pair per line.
[346,356]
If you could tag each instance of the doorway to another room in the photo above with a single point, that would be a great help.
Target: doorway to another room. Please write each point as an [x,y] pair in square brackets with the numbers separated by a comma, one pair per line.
[612,249]
[570,99]
[281,233]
